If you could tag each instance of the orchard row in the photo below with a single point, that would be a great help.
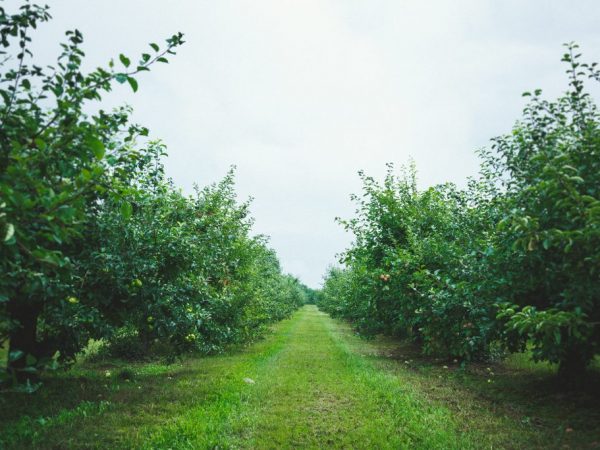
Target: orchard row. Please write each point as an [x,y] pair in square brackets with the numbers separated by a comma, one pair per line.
[509,263]
[95,242]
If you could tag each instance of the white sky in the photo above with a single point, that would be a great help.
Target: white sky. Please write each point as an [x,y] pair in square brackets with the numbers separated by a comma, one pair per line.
[302,94]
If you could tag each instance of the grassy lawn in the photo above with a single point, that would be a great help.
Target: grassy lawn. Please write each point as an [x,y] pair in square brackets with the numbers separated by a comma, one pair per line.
[513,404]
[310,384]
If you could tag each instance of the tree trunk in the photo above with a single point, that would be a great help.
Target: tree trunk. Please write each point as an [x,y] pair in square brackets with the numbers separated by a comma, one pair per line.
[572,368]
[22,338]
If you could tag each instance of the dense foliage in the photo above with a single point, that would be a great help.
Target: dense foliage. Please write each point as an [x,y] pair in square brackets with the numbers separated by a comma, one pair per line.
[512,260]
[95,241]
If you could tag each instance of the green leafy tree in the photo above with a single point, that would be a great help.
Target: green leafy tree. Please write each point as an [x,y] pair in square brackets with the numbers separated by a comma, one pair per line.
[512,259]
[417,266]
[57,165]
[182,271]
[548,241]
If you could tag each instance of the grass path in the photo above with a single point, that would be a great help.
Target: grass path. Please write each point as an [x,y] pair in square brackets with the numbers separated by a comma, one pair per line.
[313,391]
[310,384]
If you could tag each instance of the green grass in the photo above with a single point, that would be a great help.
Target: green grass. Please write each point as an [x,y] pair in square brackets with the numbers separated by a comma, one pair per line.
[516,403]
[315,385]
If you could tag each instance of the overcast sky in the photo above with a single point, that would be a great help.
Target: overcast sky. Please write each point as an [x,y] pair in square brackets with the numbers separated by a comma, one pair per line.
[300,95]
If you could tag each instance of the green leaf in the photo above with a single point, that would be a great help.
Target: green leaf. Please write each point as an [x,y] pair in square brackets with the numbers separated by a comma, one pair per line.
[10,232]
[17,354]
[162,60]
[48,257]
[85,175]
[133,83]
[126,210]
[58,90]
[569,246]
[97,147]
[125,60]
[5,96]
[121,78]
[154,46]
[39,143]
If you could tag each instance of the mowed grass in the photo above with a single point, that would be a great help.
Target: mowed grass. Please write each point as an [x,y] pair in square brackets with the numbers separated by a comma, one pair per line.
[515,403]
[312,391]
[201,393]
[318,393]
[312,383]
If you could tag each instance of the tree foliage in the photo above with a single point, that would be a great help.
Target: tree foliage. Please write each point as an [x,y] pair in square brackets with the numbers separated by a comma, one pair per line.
[513,259]
[93,238]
